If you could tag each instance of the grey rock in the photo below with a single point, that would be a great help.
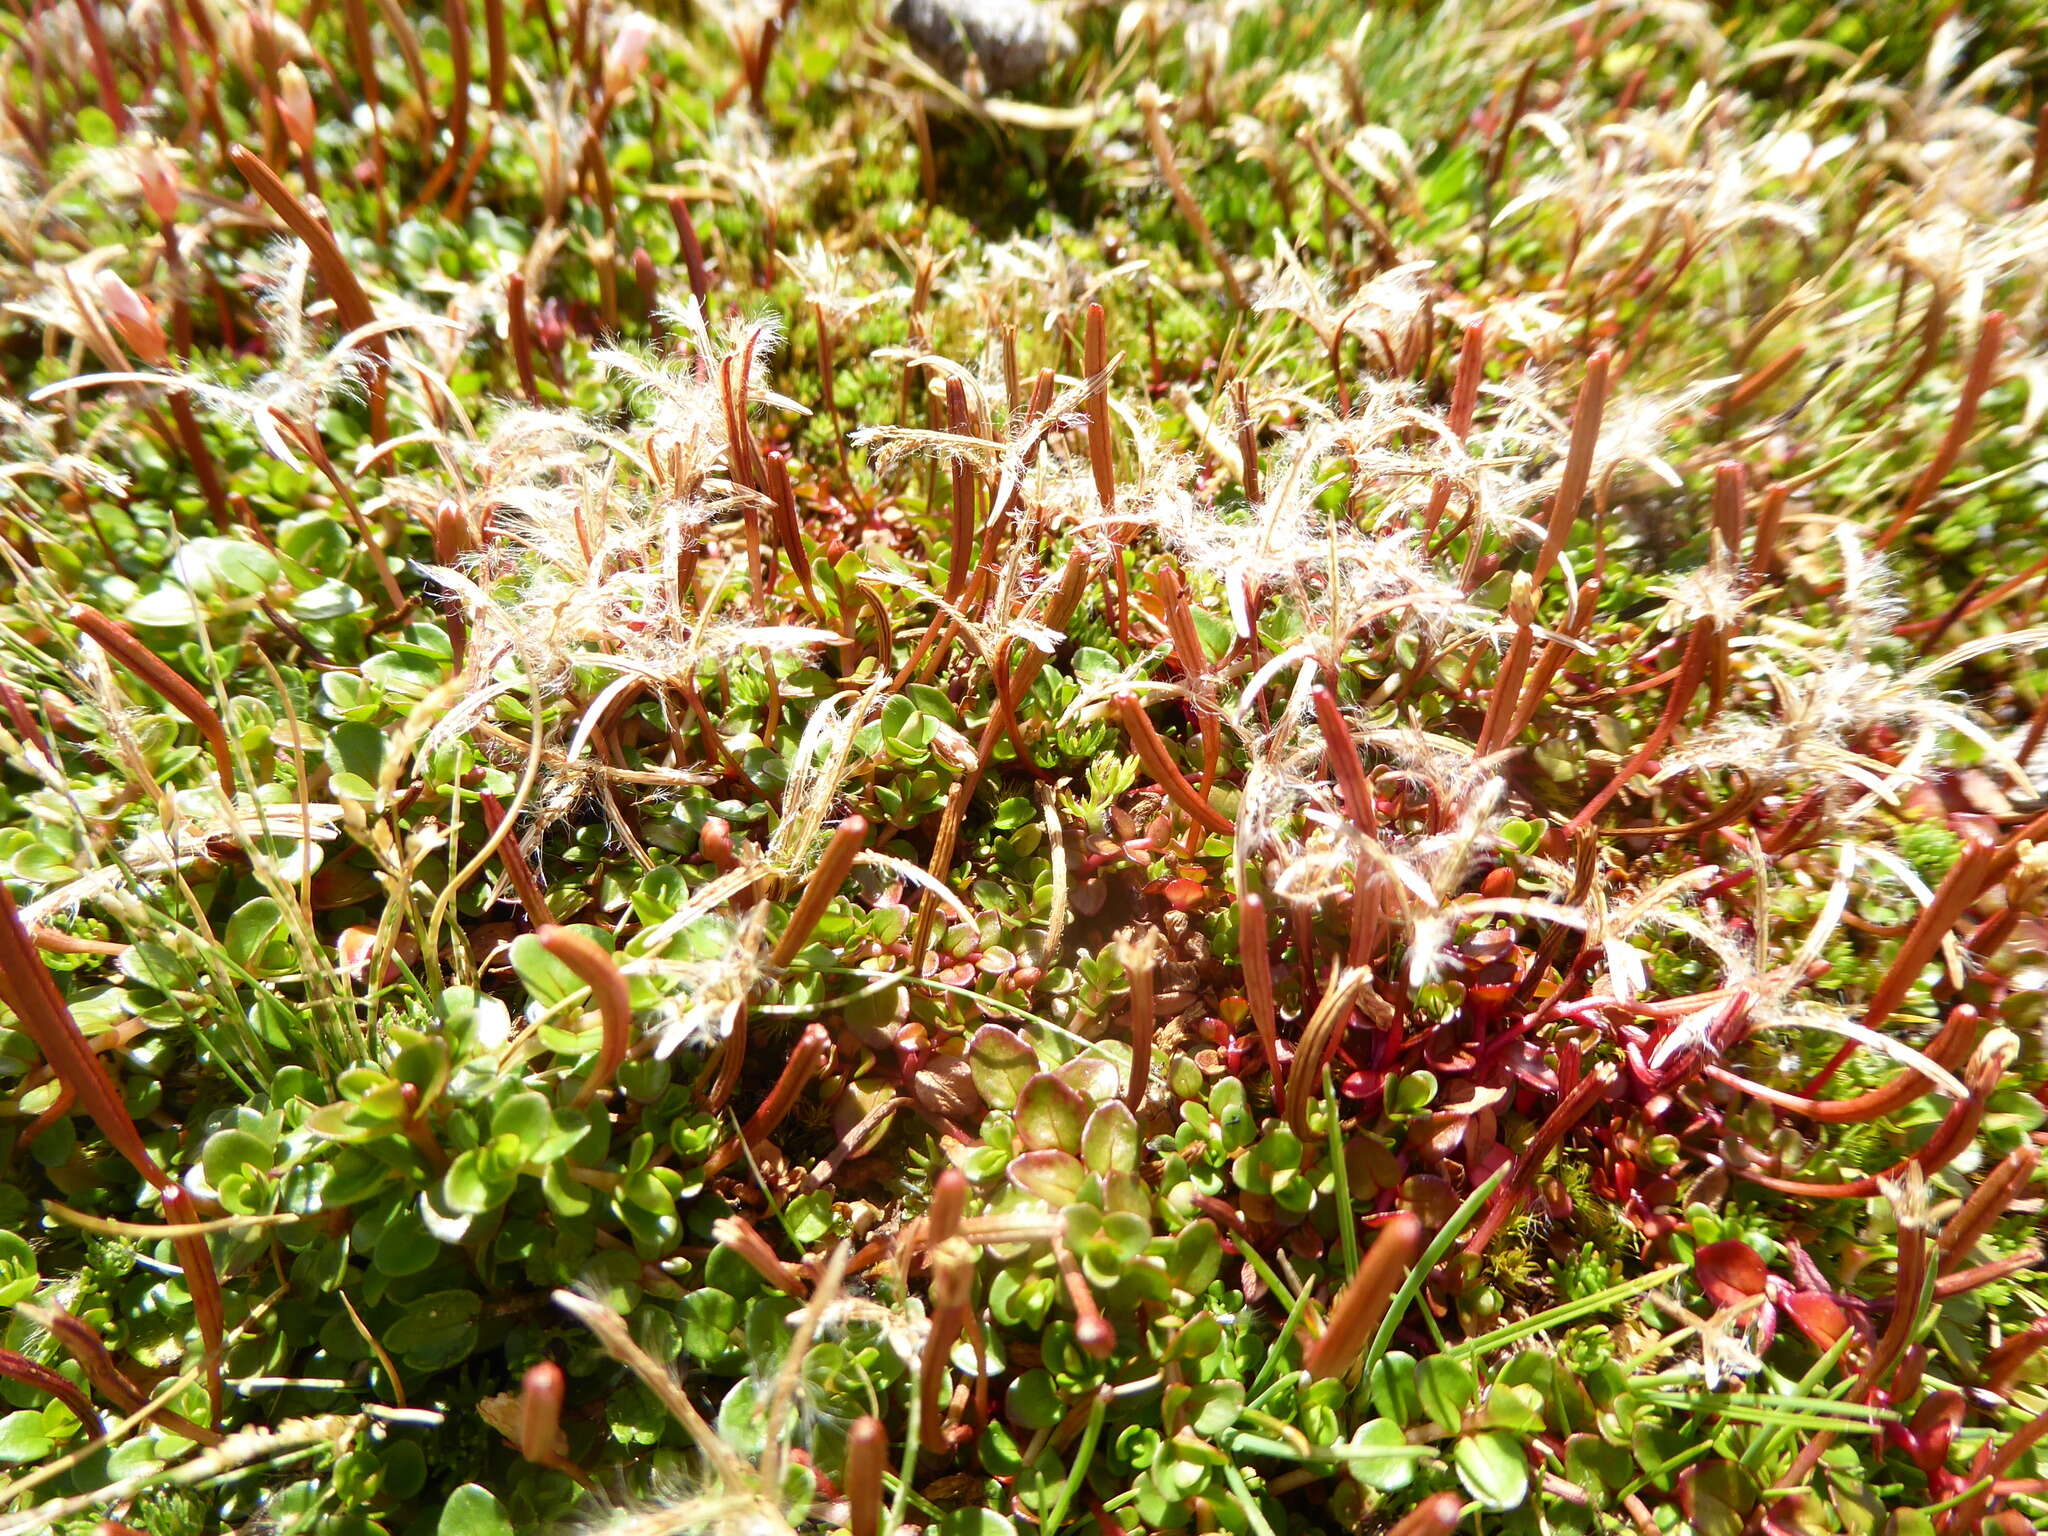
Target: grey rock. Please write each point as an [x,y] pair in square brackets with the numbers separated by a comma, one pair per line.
[1009,43]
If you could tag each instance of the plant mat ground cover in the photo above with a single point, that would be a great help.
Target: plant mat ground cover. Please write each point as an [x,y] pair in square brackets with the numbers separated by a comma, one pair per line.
[1287,783]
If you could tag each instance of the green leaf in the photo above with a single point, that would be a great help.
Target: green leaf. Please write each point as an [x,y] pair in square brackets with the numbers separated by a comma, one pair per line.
[1050,1115]
[529,1118]
[1492,1468]
[229,1152]
[436,1330]
[24,1437]
[473,1510]
[250,929]
[1001,1064]
[974,1522]
[1388,1473]
[17,1269]
[1445,1389]
[1033,1401]
[1110,1140]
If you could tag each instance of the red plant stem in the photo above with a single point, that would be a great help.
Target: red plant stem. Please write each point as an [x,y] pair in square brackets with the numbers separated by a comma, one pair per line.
[1963,884]
[1909,1279]
[1355,1314]
[83,1344]
[2008,856]
[2037,169]
[513,860]
[1537,688]
[599,972]
[1092,1331]
[1578,464]
[30,993]
[2001,1367]
[202,1281]
[455,13]
[1729,507]
[1507,682]
[102,64]
[1699,650]
[1757,380]
[24,722]
[693,252]
[1247,449]
[121,643]
[740,1235]
[1763,544]
[1165,772]
[834,865]
[356,18]
[1194,663]
[200,457]
[30,1373]
[1254,943]
[500,57]
[1987,1203]
[1990,339]
[1571,1109]
[1094,366]
[867,1458]
[782,513]
[805,1062]
[1990,1466]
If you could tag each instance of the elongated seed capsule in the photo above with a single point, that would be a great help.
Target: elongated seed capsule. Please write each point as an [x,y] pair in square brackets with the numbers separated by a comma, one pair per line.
[1095,362]
[867,1458]
[1578,464]
[541,1392]
[1356,1313]
[120,642]
[806,1060]
[847,841]
[1980,1213]
[1436,1515]
[1139,958]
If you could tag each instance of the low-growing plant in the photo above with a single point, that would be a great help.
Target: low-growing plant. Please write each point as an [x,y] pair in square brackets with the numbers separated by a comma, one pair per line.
[1287,781]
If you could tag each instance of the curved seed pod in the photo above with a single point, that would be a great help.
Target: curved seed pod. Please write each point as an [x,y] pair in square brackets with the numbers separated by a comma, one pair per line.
[1165,772]
[599,972]
[1955,1132]
[805,1062]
